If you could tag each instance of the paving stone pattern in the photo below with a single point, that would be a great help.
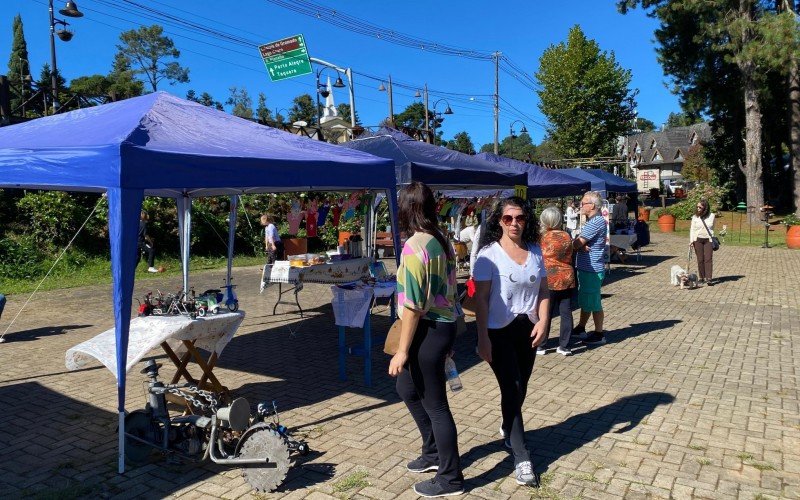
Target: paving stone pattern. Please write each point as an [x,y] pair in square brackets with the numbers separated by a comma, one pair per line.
[694,396]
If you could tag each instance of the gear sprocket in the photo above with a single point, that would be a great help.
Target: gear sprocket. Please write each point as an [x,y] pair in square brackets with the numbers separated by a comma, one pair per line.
[262,442]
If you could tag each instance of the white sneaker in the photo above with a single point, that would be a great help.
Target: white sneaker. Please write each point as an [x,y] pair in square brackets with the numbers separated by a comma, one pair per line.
[152,270]
[524,474]
[541,351]
[564,351]
[502,432]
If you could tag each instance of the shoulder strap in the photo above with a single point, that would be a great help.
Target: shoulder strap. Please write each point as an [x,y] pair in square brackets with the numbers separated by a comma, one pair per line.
[704,225]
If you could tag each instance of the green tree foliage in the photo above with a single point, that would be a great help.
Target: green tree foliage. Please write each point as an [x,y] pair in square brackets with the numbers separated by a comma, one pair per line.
[681,119]
[519,147]
[205,99]
[585,96]
[242,103]
[45,84]
[122,79]
[149,51]
[303,109]
[643,125]
[263,113]
[695,167]
[461,142]
[94,85]
[18,65]
[344,113]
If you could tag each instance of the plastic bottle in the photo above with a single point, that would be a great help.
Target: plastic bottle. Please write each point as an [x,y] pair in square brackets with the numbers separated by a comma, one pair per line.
[451,374]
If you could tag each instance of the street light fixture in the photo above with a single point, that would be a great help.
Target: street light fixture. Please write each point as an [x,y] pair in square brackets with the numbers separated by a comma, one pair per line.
[348,72]
[278,113]
[69,10]
[322,90]
[447,111]
[523,130]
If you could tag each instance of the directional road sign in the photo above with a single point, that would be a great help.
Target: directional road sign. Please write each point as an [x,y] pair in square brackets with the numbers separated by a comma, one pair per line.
[286,58]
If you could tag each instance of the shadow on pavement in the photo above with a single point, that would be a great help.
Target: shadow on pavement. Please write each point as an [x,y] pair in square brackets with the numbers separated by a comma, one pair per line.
[550,443]
[725,279]
[38,333]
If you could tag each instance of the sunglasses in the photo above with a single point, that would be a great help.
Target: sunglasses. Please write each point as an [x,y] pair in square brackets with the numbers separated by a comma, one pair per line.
[508,219]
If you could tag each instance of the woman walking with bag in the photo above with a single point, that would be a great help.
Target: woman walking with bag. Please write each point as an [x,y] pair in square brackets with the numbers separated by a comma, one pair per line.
[512,315]
[426,295]
[700,234]
[557,253]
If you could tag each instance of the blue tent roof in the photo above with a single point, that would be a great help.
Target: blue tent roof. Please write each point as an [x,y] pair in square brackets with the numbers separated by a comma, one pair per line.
[602,181]
[439,167]
[542,182]
[166,145]
[161,145]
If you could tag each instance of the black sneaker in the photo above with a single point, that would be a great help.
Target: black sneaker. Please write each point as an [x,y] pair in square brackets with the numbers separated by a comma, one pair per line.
[578,330]
[433,489]
[421,465]
[710,282]
[595,339]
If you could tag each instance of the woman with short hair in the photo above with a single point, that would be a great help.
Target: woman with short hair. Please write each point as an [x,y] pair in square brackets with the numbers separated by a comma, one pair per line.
[512,311]
[426,295]
[557,252]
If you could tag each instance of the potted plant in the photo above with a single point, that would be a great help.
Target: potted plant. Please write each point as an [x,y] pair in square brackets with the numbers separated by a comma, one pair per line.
[792,222]
[348,228]
[666,221]
[295,244]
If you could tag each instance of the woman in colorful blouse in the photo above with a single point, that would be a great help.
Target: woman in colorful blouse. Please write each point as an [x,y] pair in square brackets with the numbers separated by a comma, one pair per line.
[512,312]
[557,252]
[426,294]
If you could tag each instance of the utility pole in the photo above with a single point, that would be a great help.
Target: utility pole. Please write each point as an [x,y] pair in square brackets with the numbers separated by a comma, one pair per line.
[496,103]
[427,120]
[391,104]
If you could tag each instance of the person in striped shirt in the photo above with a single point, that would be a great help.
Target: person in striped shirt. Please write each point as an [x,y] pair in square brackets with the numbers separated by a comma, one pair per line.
[590,247]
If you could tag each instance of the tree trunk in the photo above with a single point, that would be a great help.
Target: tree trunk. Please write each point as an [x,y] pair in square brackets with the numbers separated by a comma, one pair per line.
[752,169]
[794,102]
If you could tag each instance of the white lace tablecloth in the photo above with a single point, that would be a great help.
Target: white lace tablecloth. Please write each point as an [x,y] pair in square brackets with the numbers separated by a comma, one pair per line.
[345,271]
[212,333]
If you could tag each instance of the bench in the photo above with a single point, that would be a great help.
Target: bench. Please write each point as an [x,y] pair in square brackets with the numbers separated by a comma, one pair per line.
[384,240]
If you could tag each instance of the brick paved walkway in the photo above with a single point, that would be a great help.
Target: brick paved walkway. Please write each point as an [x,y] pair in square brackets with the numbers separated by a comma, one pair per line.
[695,395]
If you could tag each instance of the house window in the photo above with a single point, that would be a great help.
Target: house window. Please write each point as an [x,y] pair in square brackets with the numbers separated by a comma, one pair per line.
[657,156]
[693,140]
[678,155]
[653,144]
[637,148]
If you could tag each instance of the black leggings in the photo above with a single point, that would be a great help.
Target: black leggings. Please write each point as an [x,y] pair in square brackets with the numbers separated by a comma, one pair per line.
[512,363]
[421,385]
[561,302]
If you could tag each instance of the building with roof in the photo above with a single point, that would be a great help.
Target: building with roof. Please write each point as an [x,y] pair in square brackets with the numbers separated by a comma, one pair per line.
[658,156]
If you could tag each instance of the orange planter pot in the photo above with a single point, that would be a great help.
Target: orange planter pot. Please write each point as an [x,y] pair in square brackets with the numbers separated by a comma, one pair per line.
[793,237]
[666,223]
[644,214]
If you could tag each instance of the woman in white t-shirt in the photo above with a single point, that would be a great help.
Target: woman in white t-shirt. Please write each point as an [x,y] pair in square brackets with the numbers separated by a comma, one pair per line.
[512,312]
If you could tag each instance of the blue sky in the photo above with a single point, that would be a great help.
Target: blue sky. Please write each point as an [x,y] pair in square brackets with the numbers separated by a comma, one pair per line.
[521,30]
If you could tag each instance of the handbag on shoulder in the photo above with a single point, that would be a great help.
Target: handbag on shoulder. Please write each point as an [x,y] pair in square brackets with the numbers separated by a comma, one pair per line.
[714,239]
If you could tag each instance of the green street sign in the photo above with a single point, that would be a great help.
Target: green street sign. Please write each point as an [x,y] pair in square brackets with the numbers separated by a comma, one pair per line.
[286,58]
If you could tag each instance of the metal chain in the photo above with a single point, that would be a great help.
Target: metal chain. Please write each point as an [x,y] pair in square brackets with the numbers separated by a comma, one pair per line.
[186,393]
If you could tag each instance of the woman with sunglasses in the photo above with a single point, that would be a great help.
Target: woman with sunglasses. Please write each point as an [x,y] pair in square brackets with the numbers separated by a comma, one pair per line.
[426,296]
[700,233]
[512,315]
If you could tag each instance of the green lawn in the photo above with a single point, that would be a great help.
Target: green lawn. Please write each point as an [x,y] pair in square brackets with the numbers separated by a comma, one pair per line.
[736,234]
[97,271]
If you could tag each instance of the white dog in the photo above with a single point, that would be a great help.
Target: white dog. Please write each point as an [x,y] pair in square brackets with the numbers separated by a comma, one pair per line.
[679,277]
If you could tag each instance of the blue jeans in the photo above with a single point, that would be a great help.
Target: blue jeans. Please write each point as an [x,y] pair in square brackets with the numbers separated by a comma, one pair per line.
[2,303]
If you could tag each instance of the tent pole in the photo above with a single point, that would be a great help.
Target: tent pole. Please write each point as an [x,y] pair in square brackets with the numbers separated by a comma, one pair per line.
[124,207]
[185,230]
[231,238]
[391,195]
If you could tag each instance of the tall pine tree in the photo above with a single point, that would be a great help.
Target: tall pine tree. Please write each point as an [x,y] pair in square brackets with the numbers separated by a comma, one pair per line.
[18,65]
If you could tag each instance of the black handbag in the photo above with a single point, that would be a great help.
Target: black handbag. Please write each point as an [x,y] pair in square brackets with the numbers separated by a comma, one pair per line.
[714,239]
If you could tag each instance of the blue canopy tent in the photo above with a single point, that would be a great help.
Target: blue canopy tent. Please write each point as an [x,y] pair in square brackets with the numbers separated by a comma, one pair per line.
[160,145]
[542,182]
[603,182]
[438,167]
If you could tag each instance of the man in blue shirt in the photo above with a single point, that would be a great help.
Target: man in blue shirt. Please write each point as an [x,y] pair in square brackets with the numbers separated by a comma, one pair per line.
[590,247]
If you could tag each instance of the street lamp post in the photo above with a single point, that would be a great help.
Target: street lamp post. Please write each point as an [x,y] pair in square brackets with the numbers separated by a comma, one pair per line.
[447,111]
[278,113]
[349,74]
[69,10]
[523,130]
